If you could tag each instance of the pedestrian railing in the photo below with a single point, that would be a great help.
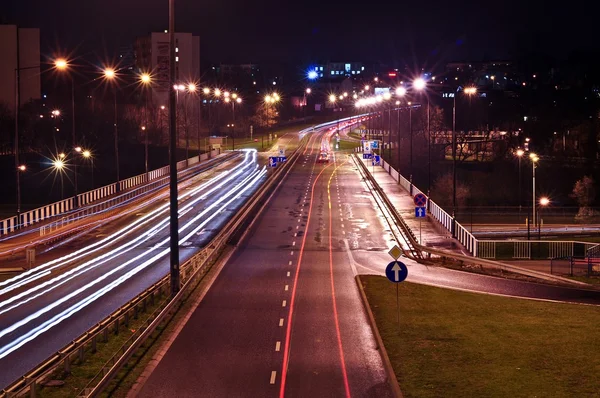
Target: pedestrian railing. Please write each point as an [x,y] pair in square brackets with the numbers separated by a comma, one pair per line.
[494,249]
[62,207]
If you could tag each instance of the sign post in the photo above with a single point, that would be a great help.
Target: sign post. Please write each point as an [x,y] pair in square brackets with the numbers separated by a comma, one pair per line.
[420,211]
[396,272]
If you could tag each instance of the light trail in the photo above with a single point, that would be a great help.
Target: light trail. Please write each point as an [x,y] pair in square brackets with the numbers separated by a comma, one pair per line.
[236,192]
[34,274]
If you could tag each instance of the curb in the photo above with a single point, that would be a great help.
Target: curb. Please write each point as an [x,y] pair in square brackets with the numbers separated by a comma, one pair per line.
[387,364]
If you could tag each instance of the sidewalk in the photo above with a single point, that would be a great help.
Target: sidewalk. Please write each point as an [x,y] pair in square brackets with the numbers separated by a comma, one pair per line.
[432,233]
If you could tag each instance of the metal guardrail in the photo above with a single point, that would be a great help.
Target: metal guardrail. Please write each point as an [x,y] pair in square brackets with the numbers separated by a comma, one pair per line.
[407,234]
[190,271]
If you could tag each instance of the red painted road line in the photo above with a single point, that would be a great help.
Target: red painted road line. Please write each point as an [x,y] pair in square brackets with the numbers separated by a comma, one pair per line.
[288,332]
[335,312]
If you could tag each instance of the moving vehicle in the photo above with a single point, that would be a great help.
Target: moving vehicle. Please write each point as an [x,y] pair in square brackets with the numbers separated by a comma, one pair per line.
[323,157]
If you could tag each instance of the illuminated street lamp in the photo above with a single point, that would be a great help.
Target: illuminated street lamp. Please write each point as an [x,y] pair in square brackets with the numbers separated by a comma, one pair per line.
[145,78]
[22,167]
[206,90]
[534,159]
[520,154]
[110,76]
[63,66]
[544,201]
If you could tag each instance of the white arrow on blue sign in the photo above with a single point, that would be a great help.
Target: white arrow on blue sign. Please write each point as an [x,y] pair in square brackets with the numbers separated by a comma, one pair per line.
[272,161]
[420,212]
[396,271]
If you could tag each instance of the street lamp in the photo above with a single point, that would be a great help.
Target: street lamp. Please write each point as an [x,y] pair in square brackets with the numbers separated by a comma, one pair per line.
[146,80]
[419,84]
[520,154]
[544,201]
[333,100]
[468,91]
[534,159]
[62,65]
[110,76]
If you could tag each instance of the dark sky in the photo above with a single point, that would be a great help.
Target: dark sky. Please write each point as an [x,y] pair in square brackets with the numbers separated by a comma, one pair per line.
[268,30]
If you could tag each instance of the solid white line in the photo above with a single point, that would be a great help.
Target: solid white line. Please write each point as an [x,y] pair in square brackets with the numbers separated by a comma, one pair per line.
[287,287]
[284,303]
[280,322]
[278,346]
[273,376]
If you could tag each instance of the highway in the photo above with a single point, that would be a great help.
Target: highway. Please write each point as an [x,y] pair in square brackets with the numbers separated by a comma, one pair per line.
[284,317]
[92,215]
[83,281]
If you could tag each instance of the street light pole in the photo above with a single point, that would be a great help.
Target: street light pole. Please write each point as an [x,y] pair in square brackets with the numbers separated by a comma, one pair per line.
[74,141]
[116,142]
[174,221]
[454,163]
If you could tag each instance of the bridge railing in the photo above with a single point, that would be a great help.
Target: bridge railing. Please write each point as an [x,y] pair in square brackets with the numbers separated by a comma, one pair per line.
[61,208]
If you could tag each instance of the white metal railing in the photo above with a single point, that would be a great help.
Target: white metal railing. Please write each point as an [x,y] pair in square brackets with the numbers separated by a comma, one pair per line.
[56,209]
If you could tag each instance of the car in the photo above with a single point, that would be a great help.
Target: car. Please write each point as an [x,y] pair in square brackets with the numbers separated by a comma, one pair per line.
[323,158]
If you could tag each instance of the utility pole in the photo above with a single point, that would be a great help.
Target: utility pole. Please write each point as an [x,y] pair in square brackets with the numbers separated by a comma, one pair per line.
[174,221]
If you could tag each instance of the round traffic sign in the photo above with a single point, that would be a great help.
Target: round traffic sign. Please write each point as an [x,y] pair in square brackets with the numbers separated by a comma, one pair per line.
[396,271]
[420,200]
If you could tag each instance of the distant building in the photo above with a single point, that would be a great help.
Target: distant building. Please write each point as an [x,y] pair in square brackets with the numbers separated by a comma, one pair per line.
[335,70]
[152,56]
[19,49]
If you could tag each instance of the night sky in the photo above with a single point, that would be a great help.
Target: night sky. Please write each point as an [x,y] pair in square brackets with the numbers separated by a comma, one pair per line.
[417,32]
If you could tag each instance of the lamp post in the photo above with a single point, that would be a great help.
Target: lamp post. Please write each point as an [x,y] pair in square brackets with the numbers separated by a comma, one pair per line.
[534,159]
[468,91]
[332,101]
[173,213]
[400,92]
[87,154]
[145,79]
[306,93]
[520,154]
[62,65]
[420,85]
[544,201]
[192,88]
[110,75]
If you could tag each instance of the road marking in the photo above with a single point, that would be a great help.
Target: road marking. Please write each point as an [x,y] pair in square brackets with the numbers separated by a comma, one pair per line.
[288,274]
[273,376]
[343,226]
[298,220]
[278,346]
[287,287]
[284,303]
[297,227]
[280,322]
[343,232]
[292,253]
[295,234]
[341,219]
[294,243]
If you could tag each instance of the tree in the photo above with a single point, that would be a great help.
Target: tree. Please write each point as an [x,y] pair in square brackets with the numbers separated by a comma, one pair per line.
[441,191]
[584,192]
[265,116]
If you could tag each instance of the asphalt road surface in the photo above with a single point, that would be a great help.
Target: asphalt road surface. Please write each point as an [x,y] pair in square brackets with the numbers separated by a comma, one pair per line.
[285,317]
[82,282]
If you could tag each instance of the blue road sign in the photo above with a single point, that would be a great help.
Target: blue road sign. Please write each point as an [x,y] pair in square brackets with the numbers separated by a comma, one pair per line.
[420,212]
[281,159]
[420,200]
[367,156]
[272,161]
[376,160]
[375,144]
[396,271]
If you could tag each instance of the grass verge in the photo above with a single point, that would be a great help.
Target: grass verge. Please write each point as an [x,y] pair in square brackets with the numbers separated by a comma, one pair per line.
[459,344]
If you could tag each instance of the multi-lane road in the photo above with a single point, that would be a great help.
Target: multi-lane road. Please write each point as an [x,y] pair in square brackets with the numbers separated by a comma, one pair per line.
[74,287]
